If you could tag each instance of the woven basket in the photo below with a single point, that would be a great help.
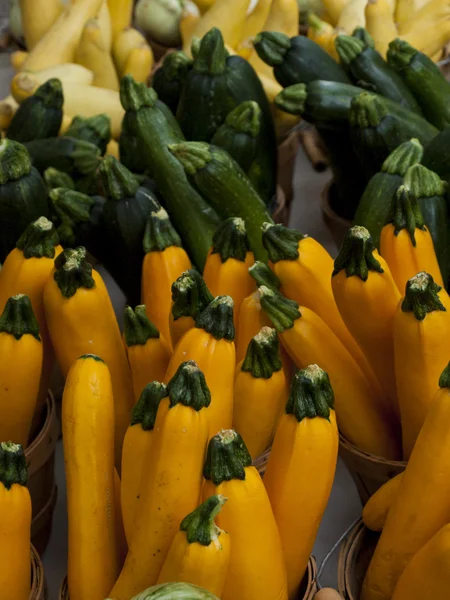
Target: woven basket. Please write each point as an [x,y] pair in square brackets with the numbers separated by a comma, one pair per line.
[40,456]
[369,472]
[38,585]
[354,558]
[261,462]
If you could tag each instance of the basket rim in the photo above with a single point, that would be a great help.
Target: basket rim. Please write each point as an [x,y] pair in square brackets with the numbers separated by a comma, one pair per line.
[343,441]
[346,556]
[48,431]
[37,576]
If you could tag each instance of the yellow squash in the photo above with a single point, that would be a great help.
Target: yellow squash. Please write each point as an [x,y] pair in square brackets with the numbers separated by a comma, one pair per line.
[15,524]
[93,54]
[253,24]
[210,343]
[120,530]
[421,328]
[367,298]
[304,269]
[229,15]
[121,12]
[190,297]
[25,271]
[37,18]
[377,508]
[406,243]
[334,9]
[361,414]
[136,453]
[104,21]
[21,355]
[17,58]
[81,320]
[148,352]
[139,63]
[173,480]
[126,39]
[253,572]
[165,260]
[260,392]
[380,24]
[88,436]
[301,468]
[421,506]
[323,34]
[200,551]
[226,269]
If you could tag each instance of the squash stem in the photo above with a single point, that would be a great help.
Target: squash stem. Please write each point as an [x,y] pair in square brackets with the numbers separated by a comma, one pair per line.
[18,318]
[407,213]
[159,232]
[137,327]
[281,242]
[282,311]
[118,182]
[262,359]
[135,96]
[176,66]
[51,94]
[192,155]
[311,394]
[212,55]
[199,525]
[226,458]
[362,34]
[58,179]
[15,161]
[356,254]
[95,129]
[190,295]
[39,239]
[348,48]
[146,408]
[444,379]
[400,54]
[421,296]
[245,118]
[13,465]
[292,99]
[217,318]
[73,271]
[424,183]
[263,275]
[272,47]
[403,157]
[230,240]
[188,387]
[367,110]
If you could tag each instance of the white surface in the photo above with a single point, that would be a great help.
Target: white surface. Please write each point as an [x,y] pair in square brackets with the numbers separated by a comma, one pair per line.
[344,506]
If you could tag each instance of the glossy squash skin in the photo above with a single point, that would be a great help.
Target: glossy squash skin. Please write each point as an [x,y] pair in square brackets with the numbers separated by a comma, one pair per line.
[173,479]
[211,343]
[164,262]
[247,516]
[367,297]
[81,320]
[148,352]
[420,508]
[360,413]
[301,468]
[421,328]
[377,508]
[200,551]
[15,525]
[21,356]
[88,433]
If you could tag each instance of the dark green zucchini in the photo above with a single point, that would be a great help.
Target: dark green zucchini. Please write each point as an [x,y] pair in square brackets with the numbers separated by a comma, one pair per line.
[168,81]
[124,218]
[429,190]
[375,206]
[229,191]
[88,184]
[23,194]
[376,131]
[366,65]
[436,154]
[65,154]
[40,115]
[96,130]
[58,179]
[424,79]
[360,33]
[194,219]
[297,60]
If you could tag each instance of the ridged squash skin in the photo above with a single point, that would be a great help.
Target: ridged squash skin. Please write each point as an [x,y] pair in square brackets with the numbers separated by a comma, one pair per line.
[421,506]
[15,526]
[377,508]
[420,353]
[173,481]
[85,323]
[301,468]
[88,433]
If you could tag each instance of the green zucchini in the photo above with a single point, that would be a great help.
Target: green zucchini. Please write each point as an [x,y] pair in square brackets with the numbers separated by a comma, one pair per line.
[124,217]
[175,591]
[436,155]
[195,221]
[40,115]
[429,191]
[23,194]
[96,130]
[376,131]
[375,207]
[229,191]
[65,154]
[366,65]
[360,33]
[168,81]
[424,79]
[88,184]
[297,60]
[57,179]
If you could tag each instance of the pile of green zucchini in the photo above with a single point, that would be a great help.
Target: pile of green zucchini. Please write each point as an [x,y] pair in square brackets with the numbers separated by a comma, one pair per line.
[200,142]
